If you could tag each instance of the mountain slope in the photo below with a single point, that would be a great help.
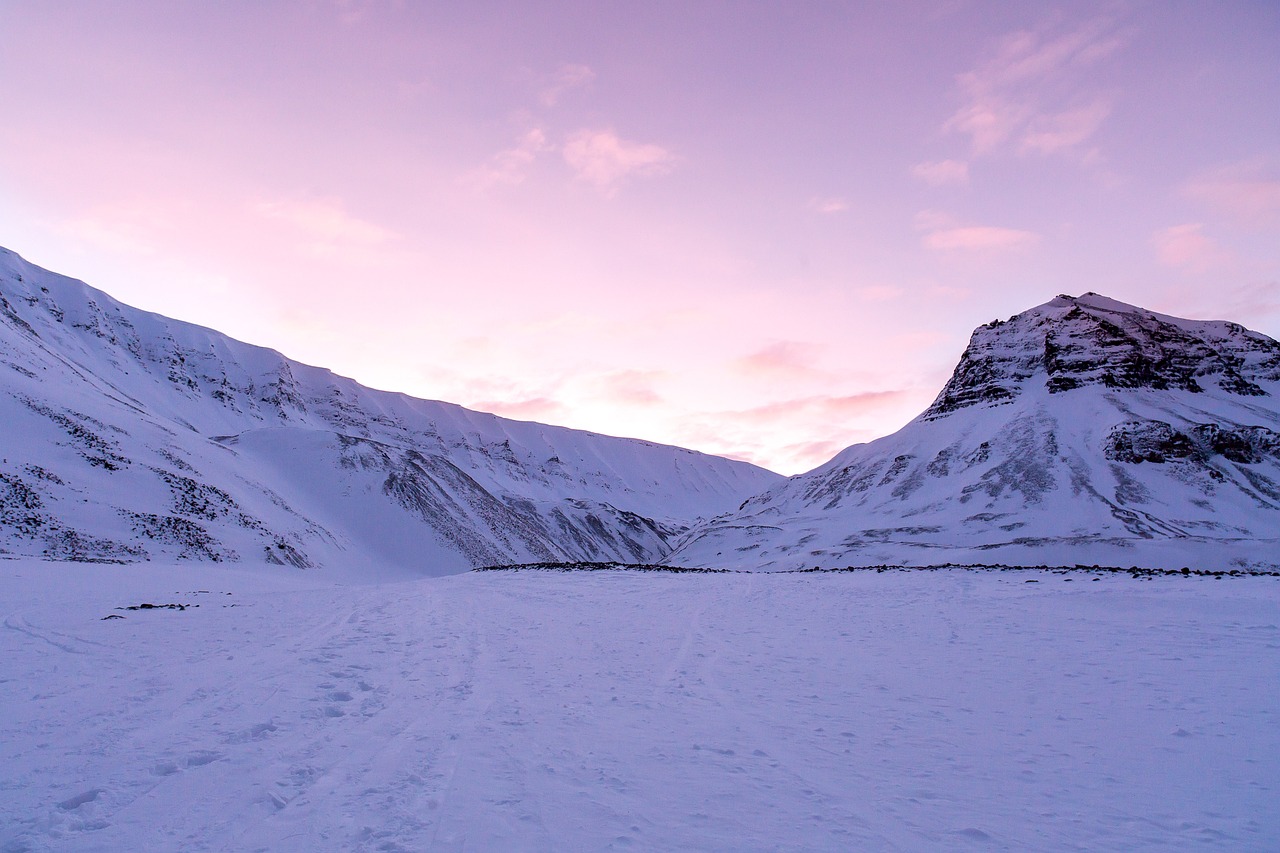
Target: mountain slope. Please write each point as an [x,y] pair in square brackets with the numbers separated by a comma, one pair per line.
[1082,431]
[128,435]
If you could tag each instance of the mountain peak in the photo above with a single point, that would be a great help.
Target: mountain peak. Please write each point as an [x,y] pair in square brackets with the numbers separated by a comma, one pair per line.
[1089,340]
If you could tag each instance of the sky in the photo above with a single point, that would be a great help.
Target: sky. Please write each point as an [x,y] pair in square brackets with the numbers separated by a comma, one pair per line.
[762,230]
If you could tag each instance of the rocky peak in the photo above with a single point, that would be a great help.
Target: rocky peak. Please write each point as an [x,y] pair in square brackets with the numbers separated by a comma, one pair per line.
[1074,342]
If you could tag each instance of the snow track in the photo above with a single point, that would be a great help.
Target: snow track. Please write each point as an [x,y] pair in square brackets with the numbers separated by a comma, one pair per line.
[615,710]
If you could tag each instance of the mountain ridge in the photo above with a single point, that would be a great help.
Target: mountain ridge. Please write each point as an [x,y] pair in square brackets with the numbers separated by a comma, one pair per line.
[1032,453]
[109,403]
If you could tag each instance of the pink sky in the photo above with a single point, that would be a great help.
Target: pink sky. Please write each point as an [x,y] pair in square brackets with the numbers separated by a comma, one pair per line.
[763,230]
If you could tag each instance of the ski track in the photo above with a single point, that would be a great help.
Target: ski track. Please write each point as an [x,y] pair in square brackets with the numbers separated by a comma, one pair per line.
[614,710]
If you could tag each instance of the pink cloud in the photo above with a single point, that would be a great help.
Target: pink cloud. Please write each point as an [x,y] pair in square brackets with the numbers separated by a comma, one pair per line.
[137,227]
[565,79]
[828,205]
[984,238]
[781,358]
[542,409]
[602,158]
[831,407]
[1246,191]
[324,222]
[1010,96]
[1049,134]
[1186,247]
[880,292]
[630,387]
[942,173]
[509,166]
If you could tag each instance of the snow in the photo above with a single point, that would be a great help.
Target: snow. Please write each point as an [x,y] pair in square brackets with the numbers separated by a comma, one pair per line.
[621,710]
[1158,446]
[128,435]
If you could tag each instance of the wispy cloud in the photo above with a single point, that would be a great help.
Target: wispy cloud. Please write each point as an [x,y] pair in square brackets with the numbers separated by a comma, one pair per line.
[1049,134]
[942,173]
[782,358]
[630,387]
[828,205]
[983,238]
[1186,247]
[1030,94]
[1248,192]
[511,165]
[820,406]
[943,233]
[137,227]
[565,79]
[605,160]
[543,409]
[324,225]
[879,292]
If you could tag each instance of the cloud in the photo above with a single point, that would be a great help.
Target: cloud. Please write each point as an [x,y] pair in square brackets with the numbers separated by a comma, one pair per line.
[879,292]
[630,387]
[565,79]
[828,205]
[1028,92]
[1249,192]
[1049,134]
[323,225]
[945,233]
[942,173]
[542,409]
[138,227]
[783,358]
[981,238]
[602,158]
[1186,247]
[510,166]
[828,407]
[1250,300]
[933,220]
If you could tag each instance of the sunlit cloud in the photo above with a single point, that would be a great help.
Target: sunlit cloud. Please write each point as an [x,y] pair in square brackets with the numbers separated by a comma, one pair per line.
[984,238]
[602,158]
[1249,192]
[942,173]
[542,409]
[828,205]
[1186,247]
[820,407]
[567,78]
[351,12]
[324,222]
[323,227]
[880,293]
[629,387]
[944,233]
[137,227]
[1027,93]
[510,166]
[1049,134]
[783,358]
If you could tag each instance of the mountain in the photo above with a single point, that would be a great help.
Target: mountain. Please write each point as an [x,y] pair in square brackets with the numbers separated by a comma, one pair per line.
[131,436]
[1081,431]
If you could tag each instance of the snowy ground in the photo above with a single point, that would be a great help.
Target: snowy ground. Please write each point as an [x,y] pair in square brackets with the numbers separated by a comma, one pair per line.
[547,711]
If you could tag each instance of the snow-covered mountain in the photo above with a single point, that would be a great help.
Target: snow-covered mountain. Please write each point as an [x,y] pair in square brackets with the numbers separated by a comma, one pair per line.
[125,435]
[1082,431]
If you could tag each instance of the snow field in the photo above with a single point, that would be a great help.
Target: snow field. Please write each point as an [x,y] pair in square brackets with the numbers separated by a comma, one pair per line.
[616,710]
